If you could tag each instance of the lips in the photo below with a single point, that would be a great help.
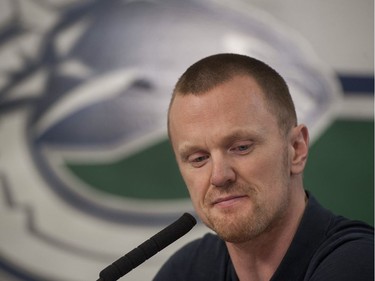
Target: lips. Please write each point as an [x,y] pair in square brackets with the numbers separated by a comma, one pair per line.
[228,200]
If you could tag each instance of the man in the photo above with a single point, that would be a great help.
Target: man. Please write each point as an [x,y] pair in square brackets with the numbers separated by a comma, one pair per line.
[241,153]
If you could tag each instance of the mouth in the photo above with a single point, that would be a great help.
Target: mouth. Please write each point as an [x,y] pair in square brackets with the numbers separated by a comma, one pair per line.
[228,201]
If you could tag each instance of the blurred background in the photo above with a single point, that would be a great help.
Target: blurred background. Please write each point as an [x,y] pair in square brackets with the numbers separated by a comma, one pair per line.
[86,170]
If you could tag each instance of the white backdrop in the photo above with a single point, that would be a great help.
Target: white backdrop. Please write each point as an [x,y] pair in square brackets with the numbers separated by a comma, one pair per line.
[341,33]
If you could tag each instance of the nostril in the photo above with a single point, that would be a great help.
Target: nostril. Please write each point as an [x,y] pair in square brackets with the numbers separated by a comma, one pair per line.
[223,176]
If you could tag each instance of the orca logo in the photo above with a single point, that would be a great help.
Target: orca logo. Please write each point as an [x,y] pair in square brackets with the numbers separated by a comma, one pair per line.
[85,156]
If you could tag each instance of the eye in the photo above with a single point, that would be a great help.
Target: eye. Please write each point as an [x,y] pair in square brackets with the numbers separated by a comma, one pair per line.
[198,160]
[241,148]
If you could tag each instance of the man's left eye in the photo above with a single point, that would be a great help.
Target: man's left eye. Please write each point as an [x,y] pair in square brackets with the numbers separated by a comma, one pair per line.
[241,148]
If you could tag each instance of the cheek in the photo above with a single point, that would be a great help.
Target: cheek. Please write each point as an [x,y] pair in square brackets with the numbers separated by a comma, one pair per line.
[197,191]
[255,167]
[263,170]
[196,183]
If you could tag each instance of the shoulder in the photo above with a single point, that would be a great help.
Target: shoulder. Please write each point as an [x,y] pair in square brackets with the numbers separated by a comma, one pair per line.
[346,254]
[195,260]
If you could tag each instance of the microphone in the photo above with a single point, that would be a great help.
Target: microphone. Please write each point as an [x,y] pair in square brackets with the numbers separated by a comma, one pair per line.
[148,248]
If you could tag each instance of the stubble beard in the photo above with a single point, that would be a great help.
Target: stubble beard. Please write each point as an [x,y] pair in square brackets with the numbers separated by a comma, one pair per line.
[245,225]
[239,226]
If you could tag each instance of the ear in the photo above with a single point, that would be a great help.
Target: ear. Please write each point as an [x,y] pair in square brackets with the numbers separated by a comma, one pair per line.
[299,148]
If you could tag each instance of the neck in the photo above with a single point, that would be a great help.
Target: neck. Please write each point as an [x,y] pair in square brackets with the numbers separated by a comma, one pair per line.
[258,259]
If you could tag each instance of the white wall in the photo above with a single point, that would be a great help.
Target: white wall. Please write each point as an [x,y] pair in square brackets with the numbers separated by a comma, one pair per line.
[341,32]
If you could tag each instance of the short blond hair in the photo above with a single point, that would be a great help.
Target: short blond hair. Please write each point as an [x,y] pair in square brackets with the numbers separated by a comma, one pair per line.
[214,70]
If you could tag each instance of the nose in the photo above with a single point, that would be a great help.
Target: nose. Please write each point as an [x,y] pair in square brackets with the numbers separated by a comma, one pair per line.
[222,173]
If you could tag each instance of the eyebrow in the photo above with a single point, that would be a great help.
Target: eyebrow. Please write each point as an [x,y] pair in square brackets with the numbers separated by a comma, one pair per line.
[238,134]
[187,149]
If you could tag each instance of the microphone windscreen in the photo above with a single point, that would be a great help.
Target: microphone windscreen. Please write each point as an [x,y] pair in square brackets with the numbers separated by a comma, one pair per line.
[148,248]
[174,231]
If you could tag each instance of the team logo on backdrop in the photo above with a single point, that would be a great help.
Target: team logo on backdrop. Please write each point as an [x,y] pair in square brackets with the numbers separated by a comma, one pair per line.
[84,94]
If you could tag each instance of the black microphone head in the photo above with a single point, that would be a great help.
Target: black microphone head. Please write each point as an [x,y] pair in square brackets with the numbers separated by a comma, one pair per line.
[174,231]
[148,248]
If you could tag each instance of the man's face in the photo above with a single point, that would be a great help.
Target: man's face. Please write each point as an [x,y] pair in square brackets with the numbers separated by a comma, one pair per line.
[233,158]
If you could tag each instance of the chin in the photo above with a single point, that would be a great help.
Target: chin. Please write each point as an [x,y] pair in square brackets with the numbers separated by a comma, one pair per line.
[237,235]
[238,229]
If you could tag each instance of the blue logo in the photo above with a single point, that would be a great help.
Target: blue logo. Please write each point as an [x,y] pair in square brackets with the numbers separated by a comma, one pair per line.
[83,104]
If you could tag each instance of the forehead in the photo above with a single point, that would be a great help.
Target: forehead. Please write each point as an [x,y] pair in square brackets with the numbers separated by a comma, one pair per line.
[238,102]
[239,92]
